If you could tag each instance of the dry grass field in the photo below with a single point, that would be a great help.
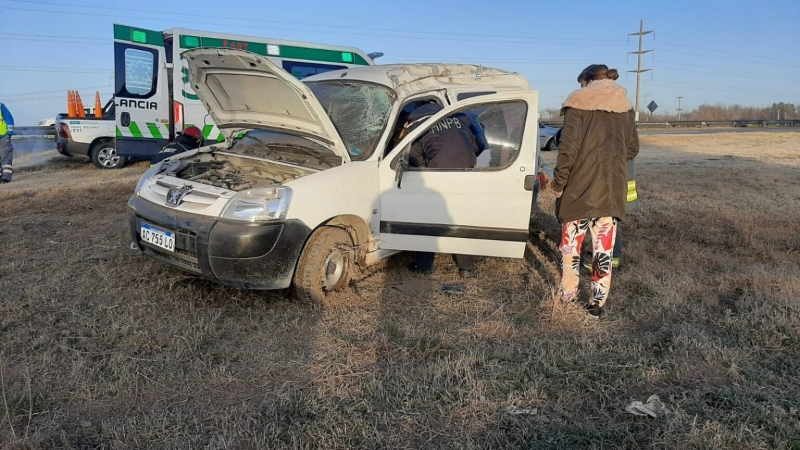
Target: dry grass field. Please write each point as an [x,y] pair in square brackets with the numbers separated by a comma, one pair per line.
[102,348]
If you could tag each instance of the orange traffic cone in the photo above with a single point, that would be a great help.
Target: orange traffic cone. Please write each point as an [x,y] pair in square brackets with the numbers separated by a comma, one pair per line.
[70,104]
[98,110]
[79,105]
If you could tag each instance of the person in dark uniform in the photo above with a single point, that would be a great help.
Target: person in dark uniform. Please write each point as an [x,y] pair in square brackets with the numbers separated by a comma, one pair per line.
[190,139]
[451,143]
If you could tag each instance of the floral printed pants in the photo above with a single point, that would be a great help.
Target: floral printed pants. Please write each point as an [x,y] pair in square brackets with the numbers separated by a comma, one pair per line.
[603,231]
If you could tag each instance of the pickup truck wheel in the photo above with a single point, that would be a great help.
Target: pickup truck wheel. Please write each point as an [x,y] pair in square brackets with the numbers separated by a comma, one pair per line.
[325,265]
[551,144]
[104,156]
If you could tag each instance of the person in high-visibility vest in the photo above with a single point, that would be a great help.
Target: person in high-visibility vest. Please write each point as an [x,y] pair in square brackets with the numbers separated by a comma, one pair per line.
[6,151]
[631,203]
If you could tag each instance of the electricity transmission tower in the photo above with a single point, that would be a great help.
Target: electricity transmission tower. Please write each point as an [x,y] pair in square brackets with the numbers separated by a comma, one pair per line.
[639,69]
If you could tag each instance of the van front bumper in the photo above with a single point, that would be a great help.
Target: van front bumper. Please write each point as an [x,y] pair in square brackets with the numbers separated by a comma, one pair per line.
[244,255]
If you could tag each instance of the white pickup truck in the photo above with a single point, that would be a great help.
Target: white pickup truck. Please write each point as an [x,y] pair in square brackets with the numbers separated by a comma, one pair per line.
[91,137]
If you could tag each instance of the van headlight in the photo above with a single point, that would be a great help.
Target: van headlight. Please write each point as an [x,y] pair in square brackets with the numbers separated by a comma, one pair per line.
[257,205]
[145,176]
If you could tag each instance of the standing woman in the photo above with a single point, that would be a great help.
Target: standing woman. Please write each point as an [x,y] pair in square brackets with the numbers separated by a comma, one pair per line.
[590,178]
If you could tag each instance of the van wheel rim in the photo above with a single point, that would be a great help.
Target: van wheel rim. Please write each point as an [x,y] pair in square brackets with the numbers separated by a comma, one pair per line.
[333,267]
[108,157]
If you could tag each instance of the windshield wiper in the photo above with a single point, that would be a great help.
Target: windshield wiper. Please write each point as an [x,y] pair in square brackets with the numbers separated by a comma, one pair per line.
[308,152]
[266,146]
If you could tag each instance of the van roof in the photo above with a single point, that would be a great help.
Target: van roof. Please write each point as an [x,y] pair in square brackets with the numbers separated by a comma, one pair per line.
[410,78]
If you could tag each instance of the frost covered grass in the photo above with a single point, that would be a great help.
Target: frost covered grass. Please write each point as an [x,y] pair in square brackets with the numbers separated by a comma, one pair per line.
[102,348]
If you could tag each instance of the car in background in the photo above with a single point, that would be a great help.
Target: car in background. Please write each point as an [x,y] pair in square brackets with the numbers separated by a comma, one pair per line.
[49,122]
[547,137]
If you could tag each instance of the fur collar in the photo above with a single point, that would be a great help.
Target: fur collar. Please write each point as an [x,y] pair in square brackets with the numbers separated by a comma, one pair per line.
[600,95]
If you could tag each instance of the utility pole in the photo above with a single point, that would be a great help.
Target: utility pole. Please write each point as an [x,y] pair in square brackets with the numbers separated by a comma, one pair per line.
[639,69]
[679,108]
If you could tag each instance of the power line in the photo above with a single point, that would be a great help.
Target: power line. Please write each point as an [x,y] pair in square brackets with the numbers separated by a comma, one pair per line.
[424,38]
[25,94]
[730,58]
[707,87]
[727,52]
[381,31]
[50,69]
[720,72]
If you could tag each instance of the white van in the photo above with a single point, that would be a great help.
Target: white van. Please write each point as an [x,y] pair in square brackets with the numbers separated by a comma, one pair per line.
[315,186]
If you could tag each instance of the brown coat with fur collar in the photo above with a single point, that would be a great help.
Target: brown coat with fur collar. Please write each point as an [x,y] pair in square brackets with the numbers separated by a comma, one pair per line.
[598,138]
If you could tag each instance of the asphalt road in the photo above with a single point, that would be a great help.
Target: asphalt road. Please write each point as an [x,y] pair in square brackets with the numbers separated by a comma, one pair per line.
[717,130]
[35,143]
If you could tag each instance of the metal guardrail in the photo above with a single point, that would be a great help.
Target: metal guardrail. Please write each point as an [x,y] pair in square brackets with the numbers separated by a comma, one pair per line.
[35,131]
[704,123]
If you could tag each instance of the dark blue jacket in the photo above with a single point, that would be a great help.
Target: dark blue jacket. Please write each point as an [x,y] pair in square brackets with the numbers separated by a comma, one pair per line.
[448,144]
[183,143]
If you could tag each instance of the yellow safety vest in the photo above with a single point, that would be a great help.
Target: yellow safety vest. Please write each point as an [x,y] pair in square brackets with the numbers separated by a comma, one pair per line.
[3,125]
[632,195]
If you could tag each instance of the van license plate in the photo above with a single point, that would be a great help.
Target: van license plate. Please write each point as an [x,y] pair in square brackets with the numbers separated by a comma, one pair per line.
[158,237]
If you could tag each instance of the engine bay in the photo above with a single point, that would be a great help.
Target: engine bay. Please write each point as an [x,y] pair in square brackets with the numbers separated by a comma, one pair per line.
[232,172]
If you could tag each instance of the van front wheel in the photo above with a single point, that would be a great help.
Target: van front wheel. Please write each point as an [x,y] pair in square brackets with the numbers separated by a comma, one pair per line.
[325,265]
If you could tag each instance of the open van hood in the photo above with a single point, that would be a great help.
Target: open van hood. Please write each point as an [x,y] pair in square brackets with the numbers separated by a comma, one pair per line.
[243,90]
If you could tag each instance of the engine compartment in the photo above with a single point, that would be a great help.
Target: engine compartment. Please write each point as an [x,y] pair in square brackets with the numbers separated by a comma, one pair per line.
[232,172]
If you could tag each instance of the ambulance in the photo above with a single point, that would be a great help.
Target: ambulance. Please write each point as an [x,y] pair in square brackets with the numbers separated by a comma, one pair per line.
[154,99]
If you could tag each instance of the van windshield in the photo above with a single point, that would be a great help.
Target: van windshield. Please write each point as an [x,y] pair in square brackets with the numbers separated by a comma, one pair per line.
[359,111]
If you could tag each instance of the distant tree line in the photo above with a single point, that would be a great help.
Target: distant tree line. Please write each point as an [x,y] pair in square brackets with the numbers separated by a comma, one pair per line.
[784,111]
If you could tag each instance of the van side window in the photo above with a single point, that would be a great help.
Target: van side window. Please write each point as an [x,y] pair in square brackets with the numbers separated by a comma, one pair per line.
[503,125]
[466,95]
[403,116]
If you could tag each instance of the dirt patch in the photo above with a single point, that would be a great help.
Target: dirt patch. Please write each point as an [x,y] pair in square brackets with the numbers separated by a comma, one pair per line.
[102,348]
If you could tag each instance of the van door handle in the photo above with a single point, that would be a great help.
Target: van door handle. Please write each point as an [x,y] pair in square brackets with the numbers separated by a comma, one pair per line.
[530,182]
[125,119]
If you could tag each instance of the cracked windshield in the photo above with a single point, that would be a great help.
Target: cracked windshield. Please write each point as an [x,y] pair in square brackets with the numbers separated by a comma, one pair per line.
[359,111]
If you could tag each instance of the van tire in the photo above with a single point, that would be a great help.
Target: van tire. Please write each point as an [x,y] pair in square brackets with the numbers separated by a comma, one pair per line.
[104,155]
[325,265]
[551,145]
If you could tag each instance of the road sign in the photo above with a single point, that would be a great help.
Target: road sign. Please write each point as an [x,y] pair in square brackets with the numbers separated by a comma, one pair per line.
[652,106]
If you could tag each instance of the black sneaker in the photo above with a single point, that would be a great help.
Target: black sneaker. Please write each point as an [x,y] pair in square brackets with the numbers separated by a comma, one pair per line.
[594,310]
[464,273]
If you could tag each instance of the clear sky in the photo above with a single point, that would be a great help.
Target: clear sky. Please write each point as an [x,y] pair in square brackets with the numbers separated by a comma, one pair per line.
[708,52]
